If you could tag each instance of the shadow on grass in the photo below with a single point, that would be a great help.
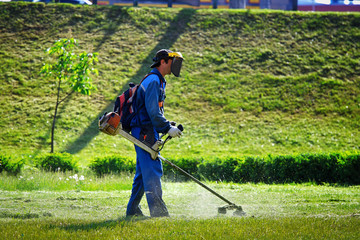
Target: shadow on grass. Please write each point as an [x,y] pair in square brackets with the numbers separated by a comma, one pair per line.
[44,140]
[120,15]
[177,27]
[122,221]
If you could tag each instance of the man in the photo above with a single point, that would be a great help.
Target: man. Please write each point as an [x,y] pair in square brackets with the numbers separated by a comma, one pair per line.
[146,126]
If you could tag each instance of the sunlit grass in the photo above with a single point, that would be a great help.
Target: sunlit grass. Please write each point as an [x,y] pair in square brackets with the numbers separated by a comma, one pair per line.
[222,228]
[251,85]
[107,197]
[35,180]
[293,211]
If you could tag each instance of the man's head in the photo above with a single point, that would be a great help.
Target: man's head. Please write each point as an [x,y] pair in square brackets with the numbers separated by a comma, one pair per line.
[167,62]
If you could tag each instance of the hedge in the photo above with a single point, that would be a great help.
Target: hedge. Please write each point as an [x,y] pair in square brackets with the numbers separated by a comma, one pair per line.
[319,168]
[119,164]
[112,164]
[54,162]
[189,165]
[10,166]
[341,168]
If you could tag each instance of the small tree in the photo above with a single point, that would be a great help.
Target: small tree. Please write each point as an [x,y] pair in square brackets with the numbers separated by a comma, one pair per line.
[71,72]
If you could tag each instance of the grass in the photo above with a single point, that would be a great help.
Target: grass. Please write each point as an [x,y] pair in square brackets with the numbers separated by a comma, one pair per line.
[43,191]
[285,228]
[292,211]
[253,82]
[31,179]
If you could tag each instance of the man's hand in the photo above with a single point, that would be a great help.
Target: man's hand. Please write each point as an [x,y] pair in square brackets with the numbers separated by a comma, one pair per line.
[174,132]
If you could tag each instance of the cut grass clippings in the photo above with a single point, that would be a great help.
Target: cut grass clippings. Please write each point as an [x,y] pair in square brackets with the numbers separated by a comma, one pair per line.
[188,200]
[294,211]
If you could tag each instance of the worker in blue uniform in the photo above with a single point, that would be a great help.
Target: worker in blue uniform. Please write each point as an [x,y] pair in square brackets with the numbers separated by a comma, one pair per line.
[146,126]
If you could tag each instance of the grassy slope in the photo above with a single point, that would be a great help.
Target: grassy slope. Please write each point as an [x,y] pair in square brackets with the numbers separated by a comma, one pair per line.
[254,82]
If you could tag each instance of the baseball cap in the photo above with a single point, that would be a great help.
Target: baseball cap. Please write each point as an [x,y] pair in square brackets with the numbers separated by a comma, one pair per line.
[161,54]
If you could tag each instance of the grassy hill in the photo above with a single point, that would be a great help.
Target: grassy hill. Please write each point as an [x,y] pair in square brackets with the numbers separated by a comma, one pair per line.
[253,82]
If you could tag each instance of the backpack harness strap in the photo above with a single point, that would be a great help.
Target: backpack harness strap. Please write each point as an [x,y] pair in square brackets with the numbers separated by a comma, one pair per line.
[161,104]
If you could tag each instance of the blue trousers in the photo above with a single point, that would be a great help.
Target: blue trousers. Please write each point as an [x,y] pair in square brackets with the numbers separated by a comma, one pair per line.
[147,180]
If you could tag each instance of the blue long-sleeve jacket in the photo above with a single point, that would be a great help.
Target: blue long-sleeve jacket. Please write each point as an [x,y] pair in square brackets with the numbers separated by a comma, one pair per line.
[149,103]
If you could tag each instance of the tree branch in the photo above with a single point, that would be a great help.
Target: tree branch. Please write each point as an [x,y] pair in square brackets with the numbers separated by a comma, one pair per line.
[67,95]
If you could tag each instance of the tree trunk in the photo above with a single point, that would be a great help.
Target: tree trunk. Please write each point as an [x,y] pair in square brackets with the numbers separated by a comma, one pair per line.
[54,119]
[53,128]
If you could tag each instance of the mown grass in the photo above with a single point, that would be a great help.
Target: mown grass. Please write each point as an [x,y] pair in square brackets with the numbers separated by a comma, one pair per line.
[292,211]
[283,228]
[43,191]
[253,82]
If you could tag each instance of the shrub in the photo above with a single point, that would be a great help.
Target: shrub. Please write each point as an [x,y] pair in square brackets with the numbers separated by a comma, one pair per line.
[350,169]
[218,169]
[250,169]
[56,162]
[276,169]
[189,165]
[323,167]
[112,164]
[283,169]
[10,166]
[318,168]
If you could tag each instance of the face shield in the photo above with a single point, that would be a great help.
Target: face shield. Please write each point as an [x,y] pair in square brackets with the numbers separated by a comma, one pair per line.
[176,64]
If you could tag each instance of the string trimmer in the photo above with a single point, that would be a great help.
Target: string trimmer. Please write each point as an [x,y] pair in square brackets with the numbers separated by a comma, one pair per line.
[110,124]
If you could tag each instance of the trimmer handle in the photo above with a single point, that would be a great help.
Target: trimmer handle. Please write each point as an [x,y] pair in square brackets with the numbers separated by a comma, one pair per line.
[160,143]
[180,127]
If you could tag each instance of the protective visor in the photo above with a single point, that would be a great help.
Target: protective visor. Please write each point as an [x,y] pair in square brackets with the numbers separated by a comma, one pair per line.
[176,64]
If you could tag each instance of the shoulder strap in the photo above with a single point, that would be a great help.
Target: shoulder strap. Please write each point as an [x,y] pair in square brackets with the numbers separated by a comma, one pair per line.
[161,82]
[145,77]
[160,77]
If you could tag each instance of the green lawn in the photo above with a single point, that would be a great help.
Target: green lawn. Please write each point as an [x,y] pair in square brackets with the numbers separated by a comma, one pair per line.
[219,228]
[294,211]
[253,83]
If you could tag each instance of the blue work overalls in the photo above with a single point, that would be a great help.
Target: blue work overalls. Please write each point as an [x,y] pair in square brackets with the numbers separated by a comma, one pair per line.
[149,106]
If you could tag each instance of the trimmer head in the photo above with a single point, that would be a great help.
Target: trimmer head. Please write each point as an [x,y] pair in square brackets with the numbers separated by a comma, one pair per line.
[238,210]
